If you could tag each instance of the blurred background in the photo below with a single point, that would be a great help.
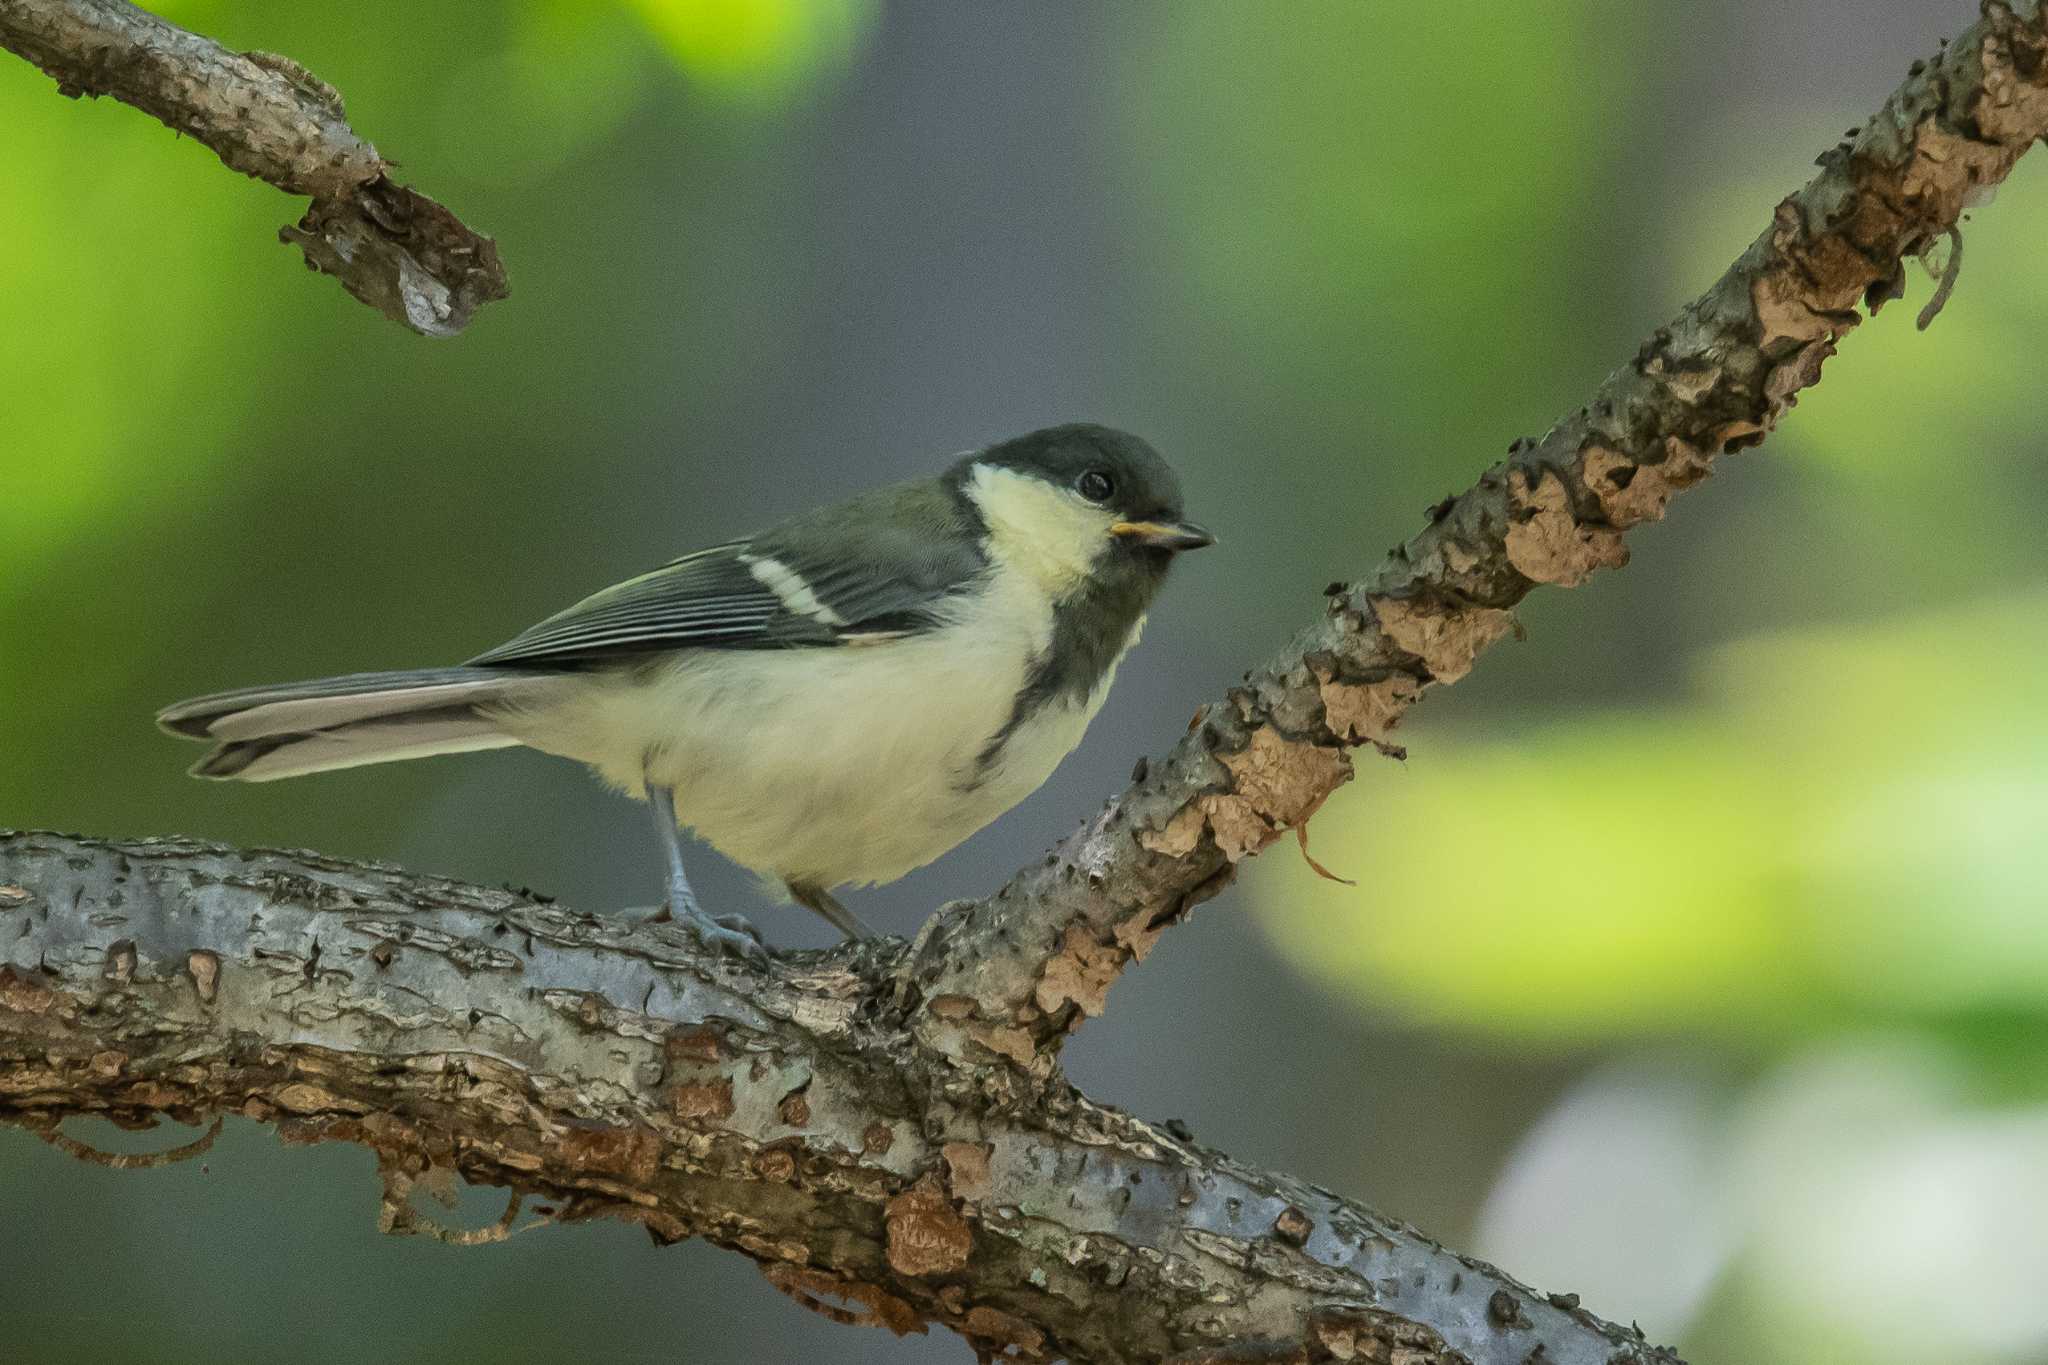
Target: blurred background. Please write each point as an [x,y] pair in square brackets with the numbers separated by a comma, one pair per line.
[1698,961]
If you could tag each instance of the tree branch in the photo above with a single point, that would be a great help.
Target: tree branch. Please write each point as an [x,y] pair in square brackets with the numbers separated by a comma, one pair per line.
[268,117]
[616,1070]
[850,1119]
[1019,971]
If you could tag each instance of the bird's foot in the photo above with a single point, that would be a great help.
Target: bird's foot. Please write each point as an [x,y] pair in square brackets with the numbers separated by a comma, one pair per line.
[731,942]
[728,934]
[738,923]
[732,935]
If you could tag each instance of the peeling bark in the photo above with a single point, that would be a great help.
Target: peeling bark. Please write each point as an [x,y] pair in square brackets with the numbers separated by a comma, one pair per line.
[884,1127]
[270,118]
[1715,380]
[611,1070]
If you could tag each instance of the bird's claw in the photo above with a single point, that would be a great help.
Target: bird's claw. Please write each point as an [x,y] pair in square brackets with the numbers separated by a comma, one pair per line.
[720,936]
[738,923]
[732,935]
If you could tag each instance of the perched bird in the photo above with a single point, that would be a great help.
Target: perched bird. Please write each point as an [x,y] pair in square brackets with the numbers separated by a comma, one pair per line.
[835,701]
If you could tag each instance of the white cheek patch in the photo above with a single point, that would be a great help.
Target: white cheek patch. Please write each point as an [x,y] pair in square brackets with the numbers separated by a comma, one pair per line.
[790,589]
[1042,530]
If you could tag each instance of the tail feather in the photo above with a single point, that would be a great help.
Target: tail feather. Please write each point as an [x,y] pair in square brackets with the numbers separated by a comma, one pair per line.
[265,733]
[386,740]
[202,717]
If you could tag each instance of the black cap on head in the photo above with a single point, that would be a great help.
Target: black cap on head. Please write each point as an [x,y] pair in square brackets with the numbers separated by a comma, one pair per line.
[1111,468]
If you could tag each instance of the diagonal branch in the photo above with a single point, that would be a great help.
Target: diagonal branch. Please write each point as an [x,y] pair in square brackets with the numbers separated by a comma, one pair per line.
[1015,973]
[268,117]
[850,1120]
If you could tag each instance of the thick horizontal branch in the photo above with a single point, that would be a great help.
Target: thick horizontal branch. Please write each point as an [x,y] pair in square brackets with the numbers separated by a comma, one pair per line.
[1015,973]
[268,117]
[615,1070]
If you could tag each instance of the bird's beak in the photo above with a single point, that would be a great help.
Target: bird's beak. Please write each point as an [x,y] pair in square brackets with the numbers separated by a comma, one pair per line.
[1163,535]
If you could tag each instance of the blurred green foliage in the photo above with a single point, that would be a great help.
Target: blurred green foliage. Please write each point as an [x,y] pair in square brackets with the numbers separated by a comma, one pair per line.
[181,365]
[1344,210]
[753,46]
[1831,827]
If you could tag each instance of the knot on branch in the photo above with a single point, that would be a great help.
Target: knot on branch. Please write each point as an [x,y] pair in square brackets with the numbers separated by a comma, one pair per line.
[403,254]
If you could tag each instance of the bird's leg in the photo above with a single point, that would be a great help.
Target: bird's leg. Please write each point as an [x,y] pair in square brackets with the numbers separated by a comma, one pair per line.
[727,933]
[821,903]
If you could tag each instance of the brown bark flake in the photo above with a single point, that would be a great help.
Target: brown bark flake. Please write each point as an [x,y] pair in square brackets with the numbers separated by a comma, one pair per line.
[794,1110]
[23,994]
[1179,836]
[630,1153]
[1003,1336]
[205,971]
[1278,782]
[1358,712]
[926,1237]
[814,1288]
[701,1044]
[1447,637]
[1293,1226]
[300,1097]
[1081,974]
[706,1102]
[966,1168]
[1006,1041]
[1632,493]
[1550,545]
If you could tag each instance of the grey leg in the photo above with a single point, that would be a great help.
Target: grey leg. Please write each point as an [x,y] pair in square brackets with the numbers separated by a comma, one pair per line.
[726,934]
[821,902]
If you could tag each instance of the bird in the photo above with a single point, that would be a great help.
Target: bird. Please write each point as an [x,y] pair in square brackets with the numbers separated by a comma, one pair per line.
[831,702]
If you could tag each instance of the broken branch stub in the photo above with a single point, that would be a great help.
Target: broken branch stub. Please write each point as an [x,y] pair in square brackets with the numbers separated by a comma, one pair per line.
[268,117]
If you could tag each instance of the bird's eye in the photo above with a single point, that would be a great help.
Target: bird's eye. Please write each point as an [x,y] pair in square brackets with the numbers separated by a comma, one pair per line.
[1095,486]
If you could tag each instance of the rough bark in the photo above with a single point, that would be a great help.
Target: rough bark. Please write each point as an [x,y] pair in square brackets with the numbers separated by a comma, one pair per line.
[1038,956]
[268,117]
[790,1114]
[885,1128]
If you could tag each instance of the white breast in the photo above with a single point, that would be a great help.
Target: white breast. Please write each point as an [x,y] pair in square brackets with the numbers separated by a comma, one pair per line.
[833,765]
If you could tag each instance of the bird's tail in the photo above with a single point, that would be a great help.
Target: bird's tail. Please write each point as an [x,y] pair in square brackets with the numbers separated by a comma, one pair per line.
[264,733]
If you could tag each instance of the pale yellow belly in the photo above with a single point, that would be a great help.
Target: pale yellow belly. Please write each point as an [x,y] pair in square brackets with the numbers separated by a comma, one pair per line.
[821,766]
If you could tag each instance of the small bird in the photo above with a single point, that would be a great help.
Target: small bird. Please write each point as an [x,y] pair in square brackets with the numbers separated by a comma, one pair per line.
[832,702]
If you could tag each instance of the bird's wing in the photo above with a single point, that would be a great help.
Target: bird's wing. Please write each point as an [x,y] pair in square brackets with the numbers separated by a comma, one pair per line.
[883,566]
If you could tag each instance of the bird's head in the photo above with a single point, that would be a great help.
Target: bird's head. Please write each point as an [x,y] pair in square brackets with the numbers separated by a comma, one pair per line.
[1079,504]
